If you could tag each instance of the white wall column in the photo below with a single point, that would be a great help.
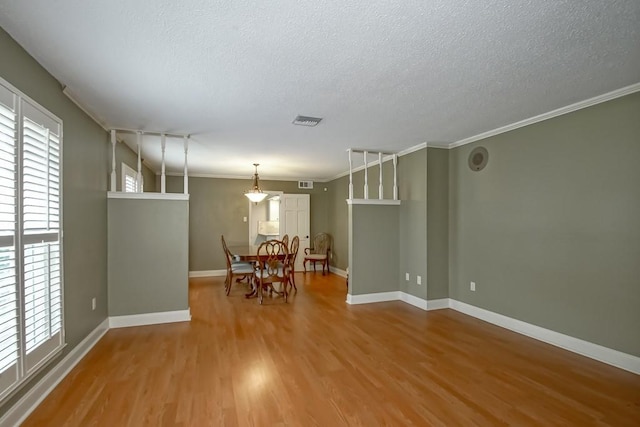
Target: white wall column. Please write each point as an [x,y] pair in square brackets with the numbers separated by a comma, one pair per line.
[139,175]
[163,177]
[186,174]
[113,160]
[366,176]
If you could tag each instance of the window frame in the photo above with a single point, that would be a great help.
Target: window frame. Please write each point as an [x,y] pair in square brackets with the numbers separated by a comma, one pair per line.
[30,361]
[126,171]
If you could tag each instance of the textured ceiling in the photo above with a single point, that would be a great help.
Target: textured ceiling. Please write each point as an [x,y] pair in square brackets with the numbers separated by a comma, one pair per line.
[384,75]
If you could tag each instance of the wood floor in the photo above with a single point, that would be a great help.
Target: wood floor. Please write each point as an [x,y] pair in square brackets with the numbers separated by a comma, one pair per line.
[317,361]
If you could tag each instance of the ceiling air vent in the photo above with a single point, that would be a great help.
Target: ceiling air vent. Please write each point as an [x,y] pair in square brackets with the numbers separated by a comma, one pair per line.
[306,121]
[307,185]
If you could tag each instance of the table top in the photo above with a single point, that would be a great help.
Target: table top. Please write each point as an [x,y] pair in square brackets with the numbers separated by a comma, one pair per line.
[244,250]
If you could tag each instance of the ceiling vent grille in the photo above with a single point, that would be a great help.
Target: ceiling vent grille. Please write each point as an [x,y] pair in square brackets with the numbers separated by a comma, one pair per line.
[306,121]
[307,185]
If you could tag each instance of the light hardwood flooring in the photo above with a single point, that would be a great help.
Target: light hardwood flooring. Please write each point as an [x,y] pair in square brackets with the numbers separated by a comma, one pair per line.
[318,361]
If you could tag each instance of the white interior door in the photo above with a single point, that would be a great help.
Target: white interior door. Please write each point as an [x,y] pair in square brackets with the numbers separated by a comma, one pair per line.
[294,221]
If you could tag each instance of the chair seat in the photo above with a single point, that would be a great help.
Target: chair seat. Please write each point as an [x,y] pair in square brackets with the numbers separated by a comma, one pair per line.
[264,274]
[316,256]
[242,267]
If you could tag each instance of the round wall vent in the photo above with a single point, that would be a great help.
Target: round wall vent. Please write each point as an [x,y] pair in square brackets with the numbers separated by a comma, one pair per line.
[478,158]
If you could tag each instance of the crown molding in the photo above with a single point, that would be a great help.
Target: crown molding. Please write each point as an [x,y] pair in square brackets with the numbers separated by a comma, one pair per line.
[627,90]
[69,94]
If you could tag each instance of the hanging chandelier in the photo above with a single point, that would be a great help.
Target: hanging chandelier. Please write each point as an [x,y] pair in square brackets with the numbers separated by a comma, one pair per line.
[255,194]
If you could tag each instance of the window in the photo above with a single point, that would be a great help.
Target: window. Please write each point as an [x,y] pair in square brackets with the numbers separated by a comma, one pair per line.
[31,301]
[130,180]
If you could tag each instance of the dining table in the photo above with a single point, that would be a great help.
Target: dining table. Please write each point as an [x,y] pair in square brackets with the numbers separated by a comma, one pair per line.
[247,253]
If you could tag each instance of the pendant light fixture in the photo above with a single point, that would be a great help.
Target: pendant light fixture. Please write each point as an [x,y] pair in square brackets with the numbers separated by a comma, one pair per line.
[255,194]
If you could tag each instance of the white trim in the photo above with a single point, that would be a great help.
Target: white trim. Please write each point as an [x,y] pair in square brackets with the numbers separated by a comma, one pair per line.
[244,178]
[339,272]
[147,196]
[414,300]
[438,304]
[371,298]
[150,318]
[208,273]
[606,355]
[551,114]
[588,349]
[414,149]
[383,202]
[16,414]
[92,116]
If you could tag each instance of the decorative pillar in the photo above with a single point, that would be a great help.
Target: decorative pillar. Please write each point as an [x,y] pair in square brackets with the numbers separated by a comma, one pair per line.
[163,178]
[380,189]
[113,160]
[366,176]
[350,175]
[395,177]
[186,176]
[139,176]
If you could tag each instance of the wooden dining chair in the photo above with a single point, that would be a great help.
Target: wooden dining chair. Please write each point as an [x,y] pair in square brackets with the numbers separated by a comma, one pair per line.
[285,239]
[319,252]
[241,270]
[273,267]
[293,254]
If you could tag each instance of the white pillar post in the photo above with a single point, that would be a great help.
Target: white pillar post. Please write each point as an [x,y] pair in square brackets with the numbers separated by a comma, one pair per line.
[113,160]
[350,175]
[186,174]
[366,176]
[380,189]
[395,177]
[163,178]
[139,176]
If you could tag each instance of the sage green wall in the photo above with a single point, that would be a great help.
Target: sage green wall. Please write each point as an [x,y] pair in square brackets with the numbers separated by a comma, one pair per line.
[339,224]
[437,223]
[143,280]
[217,207]
[126,155]
[412,183]
[85,159]
[373,255]
[550,229]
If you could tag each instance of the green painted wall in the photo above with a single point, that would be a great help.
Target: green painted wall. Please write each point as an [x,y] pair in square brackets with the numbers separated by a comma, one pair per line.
[85,159]
[550,229]
[217,207]
[143,280]
[373,255]
[437,223]
[412,188]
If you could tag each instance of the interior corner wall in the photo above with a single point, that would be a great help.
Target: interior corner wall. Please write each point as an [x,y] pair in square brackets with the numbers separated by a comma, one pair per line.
[550,229]
[412,191]
[437,223]
[85,160]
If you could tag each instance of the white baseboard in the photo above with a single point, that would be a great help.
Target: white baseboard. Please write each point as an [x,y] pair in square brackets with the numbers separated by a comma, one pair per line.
[339,272]
[414,300]
[606,355]
[371,298]
[437,304]
[208,273]
[149,318]
[30,401]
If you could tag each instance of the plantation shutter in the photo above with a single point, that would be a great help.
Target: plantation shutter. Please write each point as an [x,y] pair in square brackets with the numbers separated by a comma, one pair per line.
[41,235]
[31,303]
[9,339]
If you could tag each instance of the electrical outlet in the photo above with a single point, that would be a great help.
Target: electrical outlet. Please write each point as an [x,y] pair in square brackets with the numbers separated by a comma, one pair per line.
[419,280]
[406,276]
[93,303]
[244,219]
[472,286]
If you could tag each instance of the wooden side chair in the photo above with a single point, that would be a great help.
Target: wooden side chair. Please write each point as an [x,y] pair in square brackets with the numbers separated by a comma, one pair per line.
[238,269]
[319,252]
[285,240]
[293,254]
[273,267]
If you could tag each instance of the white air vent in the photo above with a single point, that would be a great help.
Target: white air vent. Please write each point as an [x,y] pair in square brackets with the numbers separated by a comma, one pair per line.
[306,121]
[305,184]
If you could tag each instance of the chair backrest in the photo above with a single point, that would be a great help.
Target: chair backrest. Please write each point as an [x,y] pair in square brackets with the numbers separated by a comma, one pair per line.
[285,239]
[321,243]
[273,257]
[227,252]
[293,251]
